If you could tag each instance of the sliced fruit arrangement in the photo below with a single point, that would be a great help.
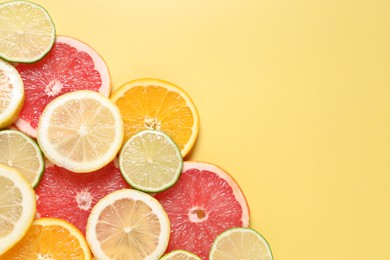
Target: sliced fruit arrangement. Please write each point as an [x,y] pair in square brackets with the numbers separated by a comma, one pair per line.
[150,161]
[19,151]
[81,131]
[69,66]
[180,255]
[204,202]
[11,94]
[22,40]
[17,207]
[159,105]
[240,243]
[128,224]
[50,238]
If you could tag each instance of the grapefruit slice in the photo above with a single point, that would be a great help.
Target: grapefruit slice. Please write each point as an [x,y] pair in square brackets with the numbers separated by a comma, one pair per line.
[71,196]
[204,202]
[69,66]
[180,255]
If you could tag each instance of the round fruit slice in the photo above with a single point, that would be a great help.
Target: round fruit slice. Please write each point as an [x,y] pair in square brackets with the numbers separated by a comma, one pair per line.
[128,224]
[70,65]
[27,31]
[159,105]
[180,255]
[150,161]
[240,243]
[81,131]
[19,151]
[204,202]
[50,238]
[17,207]
[11,94]
[71,196]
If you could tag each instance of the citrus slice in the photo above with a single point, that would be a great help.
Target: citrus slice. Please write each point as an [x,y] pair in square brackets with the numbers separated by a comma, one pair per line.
[11,94]
[159,105]
[71,196]
[50,238]
[81,131]
[204,202]
[27,31]
[17,207]
[180,255]
[70,65]
[150,161]
[128,224]
[19,151]
[240,243]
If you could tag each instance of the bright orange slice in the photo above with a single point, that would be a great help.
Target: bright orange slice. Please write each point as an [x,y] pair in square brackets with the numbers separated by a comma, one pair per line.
[159,105]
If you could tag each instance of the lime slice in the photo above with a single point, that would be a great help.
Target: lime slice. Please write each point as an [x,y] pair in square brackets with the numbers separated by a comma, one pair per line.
[150,161]
[27,31]
[22,153]
[240,243]
[180,255]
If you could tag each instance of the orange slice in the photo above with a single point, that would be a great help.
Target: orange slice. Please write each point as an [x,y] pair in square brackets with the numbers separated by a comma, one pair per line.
[159,105]
[50,238]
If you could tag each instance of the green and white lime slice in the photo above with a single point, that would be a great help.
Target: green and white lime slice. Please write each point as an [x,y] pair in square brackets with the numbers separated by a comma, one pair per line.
[27,31]
[240,243]
[180,255]
[150,161]
[22,153]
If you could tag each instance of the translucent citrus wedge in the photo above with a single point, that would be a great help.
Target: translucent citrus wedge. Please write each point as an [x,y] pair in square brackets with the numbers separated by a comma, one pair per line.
[50,238]
[81,131]
[27,31]
[19,151]
[159,105]
[17,207]
[180,255]
[240,243]
[128,224]
[11,94]
[150,161]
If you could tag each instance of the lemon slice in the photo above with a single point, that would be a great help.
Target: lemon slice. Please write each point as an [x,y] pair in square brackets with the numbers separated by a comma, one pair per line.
[17,207]
[22,153]
[150,161]
[180,255]
[27,31]
[11,94]
[128,224]
[81,131]
[240,243]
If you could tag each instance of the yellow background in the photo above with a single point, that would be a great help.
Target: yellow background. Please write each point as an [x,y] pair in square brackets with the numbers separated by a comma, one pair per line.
[294,99]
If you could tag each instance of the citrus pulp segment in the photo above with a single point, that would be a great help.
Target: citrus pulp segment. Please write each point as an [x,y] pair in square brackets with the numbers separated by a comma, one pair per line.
[11,94]
[240,243]
[128,224]
[19,151]
[50,238]
[180,255]
[159,105]
[204,202]
[70,65]
[150,161]
[71,196]
[81,131]
[17,207]
[27,31]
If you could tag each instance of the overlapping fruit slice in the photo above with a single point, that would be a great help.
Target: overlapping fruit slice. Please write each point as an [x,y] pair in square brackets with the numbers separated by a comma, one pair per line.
[180,255]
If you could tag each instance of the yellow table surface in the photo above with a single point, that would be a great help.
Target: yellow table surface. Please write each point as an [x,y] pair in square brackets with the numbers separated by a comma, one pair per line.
[294,100]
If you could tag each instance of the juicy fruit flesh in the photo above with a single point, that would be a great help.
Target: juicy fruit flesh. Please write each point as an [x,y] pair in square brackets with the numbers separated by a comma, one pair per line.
[5,91]
[10,206]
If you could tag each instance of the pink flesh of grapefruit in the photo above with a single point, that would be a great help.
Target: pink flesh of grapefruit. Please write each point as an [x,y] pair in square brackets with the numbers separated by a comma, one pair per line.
[204,202]
[71,196]
[70,65]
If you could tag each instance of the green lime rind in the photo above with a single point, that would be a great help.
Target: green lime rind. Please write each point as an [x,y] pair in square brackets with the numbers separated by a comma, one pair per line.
[18,31]
[240,229]
[172,254]
[147,157]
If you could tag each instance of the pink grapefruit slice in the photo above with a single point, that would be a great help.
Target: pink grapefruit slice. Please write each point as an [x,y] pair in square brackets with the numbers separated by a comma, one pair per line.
[69,66]
[71,196]
[204,202]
